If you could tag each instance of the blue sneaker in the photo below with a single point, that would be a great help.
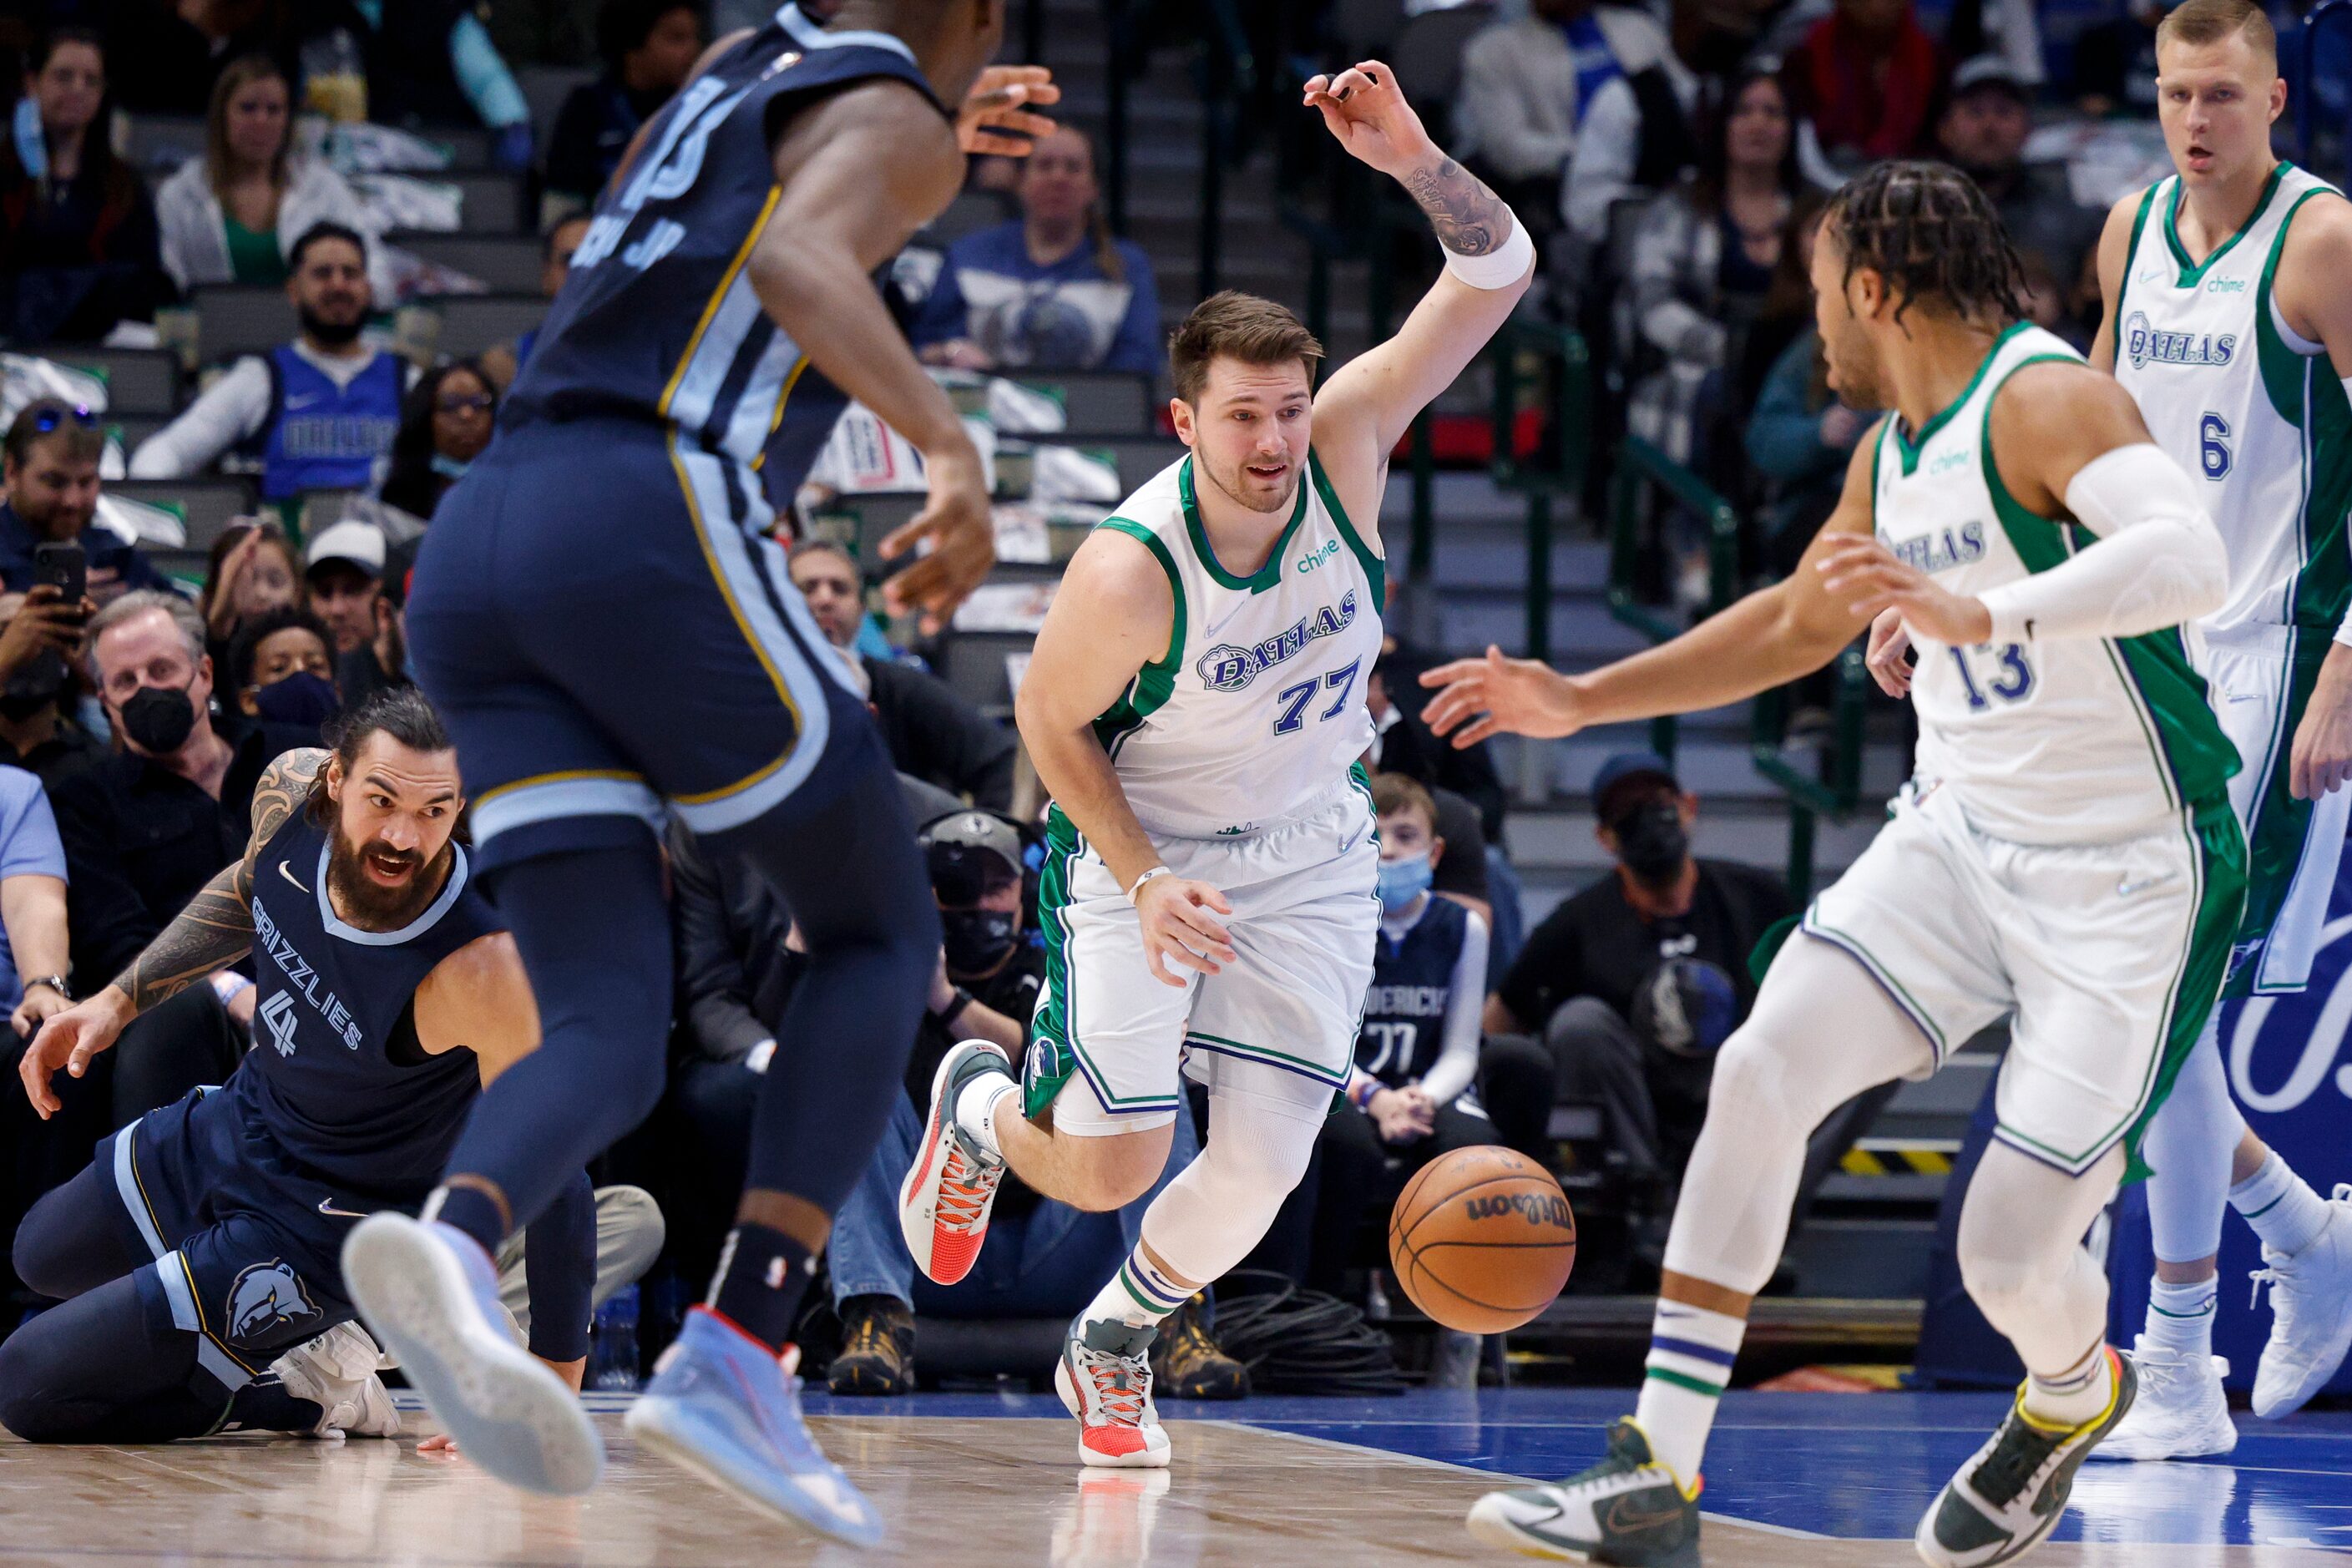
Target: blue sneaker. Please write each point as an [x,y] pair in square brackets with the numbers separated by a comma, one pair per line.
[725,1408]
[429,1293]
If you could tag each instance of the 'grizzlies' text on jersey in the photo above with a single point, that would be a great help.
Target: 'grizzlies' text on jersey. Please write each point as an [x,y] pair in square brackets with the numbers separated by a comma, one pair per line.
[335,1074]
[2244,405]
[1412,983]
[2063,741]
[657,319]
[1256,709]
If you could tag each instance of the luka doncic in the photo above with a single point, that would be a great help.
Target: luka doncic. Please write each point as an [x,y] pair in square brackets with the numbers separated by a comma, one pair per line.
[612,636]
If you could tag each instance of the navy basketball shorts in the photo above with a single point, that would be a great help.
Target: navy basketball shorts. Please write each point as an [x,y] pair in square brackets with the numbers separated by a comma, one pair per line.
[247,1243]
[608,631]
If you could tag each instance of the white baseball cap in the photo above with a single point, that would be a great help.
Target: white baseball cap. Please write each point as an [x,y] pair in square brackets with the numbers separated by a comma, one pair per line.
[360,543]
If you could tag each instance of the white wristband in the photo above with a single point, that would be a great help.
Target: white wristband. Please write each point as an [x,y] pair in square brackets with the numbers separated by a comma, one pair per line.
[1147,876]
[1500,267]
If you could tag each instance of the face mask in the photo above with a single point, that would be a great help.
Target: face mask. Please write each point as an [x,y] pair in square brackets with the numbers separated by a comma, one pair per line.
[159,719]
[301,698]
[449,467]
[34,688]
[32,145]
[976,939]
[1403,881]
[1650,839]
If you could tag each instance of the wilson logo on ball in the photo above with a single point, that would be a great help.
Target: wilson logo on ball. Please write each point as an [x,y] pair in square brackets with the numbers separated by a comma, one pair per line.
[1535,1208]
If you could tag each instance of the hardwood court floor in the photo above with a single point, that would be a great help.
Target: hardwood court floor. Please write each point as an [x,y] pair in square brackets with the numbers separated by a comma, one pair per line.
[958,1488]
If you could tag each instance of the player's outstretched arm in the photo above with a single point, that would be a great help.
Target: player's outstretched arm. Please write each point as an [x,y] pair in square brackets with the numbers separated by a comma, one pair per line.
[2310,293]
[1113,615]
[859,174]
[1368,404]
[214,931]
[1767,639]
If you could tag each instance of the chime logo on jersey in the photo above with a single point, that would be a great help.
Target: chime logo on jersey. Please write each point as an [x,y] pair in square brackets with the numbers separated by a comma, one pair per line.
[1225,668]
[2144,344]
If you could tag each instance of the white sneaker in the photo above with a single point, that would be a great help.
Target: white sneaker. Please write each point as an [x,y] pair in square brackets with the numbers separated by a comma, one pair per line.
[2311,1308]
[337,1373]
[1105,1380]
[2180,1412]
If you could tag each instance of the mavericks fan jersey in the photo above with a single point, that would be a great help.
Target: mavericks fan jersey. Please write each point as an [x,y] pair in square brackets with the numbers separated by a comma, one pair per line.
[1256,709]
[2242,403]
[2067,740]
[1403,1031]
[657,319]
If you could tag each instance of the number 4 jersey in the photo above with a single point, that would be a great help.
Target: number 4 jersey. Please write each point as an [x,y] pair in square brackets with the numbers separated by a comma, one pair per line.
[2244,403]
[2068,740]
[1256,706]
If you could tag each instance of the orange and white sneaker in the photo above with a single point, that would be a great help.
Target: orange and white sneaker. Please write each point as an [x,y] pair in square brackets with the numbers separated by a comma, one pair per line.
[944,1202]
[1104,1379]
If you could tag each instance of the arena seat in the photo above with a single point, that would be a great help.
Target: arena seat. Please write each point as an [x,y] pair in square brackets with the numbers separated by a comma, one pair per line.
[509,264]
[138,380]
[206,504]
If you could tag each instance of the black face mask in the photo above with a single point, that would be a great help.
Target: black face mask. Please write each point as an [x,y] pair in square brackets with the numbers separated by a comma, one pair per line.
[33,688]
[1650,839]
[159,719]
[977,940]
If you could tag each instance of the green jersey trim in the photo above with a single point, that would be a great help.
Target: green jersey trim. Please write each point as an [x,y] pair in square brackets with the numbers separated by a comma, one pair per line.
[2194,758]
[1265,576]
[2139,226]
[2193,272]
[1156,681]
[1909,448]
[2313,404]
[1372,565]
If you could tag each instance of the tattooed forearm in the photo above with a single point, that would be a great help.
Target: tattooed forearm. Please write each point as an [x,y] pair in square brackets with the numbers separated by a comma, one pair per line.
[1470,219]
[214,931]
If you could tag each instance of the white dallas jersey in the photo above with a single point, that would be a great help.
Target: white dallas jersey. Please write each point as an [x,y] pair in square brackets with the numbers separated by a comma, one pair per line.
[1256,709]
[2241,402]
[2068,740]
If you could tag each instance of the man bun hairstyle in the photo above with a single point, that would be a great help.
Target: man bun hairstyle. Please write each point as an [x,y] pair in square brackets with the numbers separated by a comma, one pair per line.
[1929,231]
[2198,23]
[1236,326]
[402,713]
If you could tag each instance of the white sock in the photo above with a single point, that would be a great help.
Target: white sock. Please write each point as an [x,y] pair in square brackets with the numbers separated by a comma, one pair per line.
[2075,1396]
[2180,1317]
[975,1108]
[2281,1206]
[1691,1355]
[1140,1295]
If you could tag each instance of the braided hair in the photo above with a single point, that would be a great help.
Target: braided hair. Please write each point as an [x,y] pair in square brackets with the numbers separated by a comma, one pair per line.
[1929,231]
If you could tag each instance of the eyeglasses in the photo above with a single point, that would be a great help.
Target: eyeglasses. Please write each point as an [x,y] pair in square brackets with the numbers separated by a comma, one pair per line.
[48,416]
[466,402]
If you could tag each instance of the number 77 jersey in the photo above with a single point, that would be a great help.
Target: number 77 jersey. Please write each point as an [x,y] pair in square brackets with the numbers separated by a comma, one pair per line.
[1256,708]
[2067,740]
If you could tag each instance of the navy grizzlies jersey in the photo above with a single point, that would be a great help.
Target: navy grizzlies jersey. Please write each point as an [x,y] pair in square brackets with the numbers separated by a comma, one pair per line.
[335,1075]
[1412,982]
[657,319]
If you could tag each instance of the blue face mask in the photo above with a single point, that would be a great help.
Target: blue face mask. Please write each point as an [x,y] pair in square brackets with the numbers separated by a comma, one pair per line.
[449,467]
[299,698]
[32,145]
[1403,881]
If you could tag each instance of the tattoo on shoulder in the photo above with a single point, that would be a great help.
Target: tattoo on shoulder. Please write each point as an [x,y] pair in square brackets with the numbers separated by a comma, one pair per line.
[284,788]
[1469,218]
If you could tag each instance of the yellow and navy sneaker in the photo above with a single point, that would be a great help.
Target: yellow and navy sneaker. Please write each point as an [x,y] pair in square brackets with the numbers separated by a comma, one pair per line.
[2011,1493]
[1629,1510]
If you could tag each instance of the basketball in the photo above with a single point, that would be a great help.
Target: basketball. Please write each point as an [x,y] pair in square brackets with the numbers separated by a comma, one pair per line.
[1482,1239]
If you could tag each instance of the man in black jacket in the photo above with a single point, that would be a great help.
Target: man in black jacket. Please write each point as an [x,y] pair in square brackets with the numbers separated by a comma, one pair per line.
[932,734]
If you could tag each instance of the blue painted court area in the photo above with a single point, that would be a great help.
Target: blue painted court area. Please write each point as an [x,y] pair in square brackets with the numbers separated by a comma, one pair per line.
[1854,1466]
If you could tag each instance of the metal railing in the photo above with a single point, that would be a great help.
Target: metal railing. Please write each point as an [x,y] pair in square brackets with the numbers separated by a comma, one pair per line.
[1835,790]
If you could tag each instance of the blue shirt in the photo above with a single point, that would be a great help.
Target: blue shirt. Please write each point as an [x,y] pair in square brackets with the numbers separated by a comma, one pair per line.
[101,547]
[1068,316]
[28,848]
[1596,63]
[324,436]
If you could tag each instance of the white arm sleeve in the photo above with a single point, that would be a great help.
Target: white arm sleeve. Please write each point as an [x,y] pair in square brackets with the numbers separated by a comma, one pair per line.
[2158,559]
[1457,1059]
[231,409]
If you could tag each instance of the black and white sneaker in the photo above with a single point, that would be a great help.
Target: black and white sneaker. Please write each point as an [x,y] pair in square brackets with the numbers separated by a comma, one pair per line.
[2012,1492]
[1629,1510]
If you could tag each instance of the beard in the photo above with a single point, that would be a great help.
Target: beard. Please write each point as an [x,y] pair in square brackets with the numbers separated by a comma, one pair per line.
[1854,368]
[369,904]
[1242,489]
[334,334]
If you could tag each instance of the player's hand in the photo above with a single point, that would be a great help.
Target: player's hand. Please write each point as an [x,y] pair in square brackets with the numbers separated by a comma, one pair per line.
[1890,641]
[997,115]
[1366,110]
[1483,697]
[1180,927]
[68,1041]
[961,533]
[2322,760]
[40,1003]
[1867,577]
